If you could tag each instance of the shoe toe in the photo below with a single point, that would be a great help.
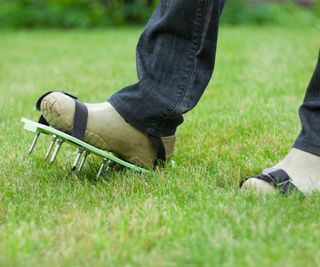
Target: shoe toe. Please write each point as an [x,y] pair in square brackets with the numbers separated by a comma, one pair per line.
[58,110]
[257,185]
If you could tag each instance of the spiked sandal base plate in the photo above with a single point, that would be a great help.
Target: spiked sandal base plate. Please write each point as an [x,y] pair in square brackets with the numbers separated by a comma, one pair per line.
[82,146]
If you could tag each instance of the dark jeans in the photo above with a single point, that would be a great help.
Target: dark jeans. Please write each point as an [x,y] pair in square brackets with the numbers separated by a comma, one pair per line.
[175,61]
[309,138]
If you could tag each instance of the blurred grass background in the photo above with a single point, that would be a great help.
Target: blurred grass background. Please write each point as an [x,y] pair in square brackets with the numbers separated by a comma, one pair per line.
[102,13]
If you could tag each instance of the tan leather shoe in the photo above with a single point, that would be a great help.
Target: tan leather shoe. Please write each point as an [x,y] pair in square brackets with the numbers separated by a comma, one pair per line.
[299,170]
[106,129]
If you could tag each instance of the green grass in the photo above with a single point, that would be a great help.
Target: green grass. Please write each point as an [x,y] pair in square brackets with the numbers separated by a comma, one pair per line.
[193,215]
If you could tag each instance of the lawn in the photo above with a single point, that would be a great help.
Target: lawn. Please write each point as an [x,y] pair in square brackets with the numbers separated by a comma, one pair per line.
[192,215]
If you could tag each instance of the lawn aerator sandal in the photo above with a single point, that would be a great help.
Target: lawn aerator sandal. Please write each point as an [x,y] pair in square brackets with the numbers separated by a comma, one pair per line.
[75,139]
[279,179]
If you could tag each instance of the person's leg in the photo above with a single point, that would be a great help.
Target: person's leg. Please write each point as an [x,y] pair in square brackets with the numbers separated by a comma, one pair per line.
[175,61]
[309,138]
[302,163]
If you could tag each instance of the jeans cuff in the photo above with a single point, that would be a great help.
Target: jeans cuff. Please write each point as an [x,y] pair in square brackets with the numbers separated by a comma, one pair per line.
[126,115]
[307,147]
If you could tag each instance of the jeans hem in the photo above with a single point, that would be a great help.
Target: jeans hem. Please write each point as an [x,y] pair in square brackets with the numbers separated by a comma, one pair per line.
[307,147]
[125,114]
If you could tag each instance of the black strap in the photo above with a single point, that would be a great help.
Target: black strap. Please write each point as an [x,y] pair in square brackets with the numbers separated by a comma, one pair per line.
[160,150]
[80,115]
[280,180]
[80,120]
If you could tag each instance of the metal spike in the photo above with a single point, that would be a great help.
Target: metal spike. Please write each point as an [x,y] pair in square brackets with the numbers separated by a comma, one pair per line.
[54,138]
[55,153]
[76,160]
[34,142]
[86,154]
[101,168]
[110,165]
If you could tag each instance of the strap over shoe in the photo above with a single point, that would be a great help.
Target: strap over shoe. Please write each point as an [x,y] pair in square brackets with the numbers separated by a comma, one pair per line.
[80,115]
[279,179]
